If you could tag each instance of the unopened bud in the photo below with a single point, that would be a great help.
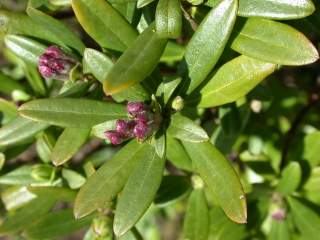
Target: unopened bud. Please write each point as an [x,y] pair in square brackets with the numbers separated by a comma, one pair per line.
[114,137]
[134,108]
[178,103]
[43,172]
[279,215]
[55,64]
[125,128]
[141,130]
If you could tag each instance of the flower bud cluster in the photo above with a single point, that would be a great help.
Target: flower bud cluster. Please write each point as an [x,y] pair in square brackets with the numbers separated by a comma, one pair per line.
[55,64]
[140,125]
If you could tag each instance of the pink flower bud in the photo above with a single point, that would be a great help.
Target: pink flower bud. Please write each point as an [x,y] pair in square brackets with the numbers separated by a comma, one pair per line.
[135,108]
[125,128]
[279,215]
[55,64]
[141,130]
[114,137]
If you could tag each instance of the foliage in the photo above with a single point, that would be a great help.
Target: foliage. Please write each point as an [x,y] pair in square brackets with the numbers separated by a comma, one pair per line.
[213,106]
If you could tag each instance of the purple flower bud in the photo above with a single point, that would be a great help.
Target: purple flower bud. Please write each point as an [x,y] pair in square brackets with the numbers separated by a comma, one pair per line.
[141,130]
[143,116]
[125,128]
[279,215]
[54,63]
[114,137]
[135,108]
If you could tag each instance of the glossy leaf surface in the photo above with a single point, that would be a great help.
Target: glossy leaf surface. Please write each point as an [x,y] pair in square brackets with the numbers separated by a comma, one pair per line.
[207,44]
[68,112]
[234,80]
[257,39]
[112,176]
[136,63]
[216,171]
[139,191]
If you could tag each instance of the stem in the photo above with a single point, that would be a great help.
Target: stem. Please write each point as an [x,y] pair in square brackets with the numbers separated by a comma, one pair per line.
[314,100]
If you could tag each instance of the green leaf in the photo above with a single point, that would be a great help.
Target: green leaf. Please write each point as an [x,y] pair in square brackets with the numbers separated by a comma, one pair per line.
[8,85]
[8,111]
[142,3]
[172,188]
[19,130]
[167,88]
[307,220]
[139,191]
[15,197]
[25,48]
[68,144]
[311,150]
[56,224]
[64,36]
[169,18]
[257,39]
[173,52]
[159,141]
[27,215]
[196,222]
[234,80]
[74,179]
[37,26]
[208,42]
[177,155]
[185,129]
[276,9]
[75,113]
[99,19]
[136,63]
[100,65]
[290,178]
[279,230]
[220,178]
[58,193]
[18,176]
[112,176]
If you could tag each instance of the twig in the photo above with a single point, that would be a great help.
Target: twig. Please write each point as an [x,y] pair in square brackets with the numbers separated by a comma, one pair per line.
[314,100]
[189,18]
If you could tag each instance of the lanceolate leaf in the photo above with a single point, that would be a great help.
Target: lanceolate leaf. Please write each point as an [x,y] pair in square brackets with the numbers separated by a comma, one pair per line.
[108,181]
[104,24]
[139,191]
[257,39]
[220,178]
[207,44]
[56,224]
[41,26]
[290,178]
[58,193]
[99,65]
[25,48]
[279,230]
[234,80]
[196,222]
[306,219]
[276,9]
[136,63]
[75,113]
[169,18]
[68,144]
[185,129]
[177,155]
[64,36]
[19,131]
[27,215]
[311,148]
[142,3]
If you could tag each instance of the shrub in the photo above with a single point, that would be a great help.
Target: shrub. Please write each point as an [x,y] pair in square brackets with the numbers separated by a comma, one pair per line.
[159,119]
